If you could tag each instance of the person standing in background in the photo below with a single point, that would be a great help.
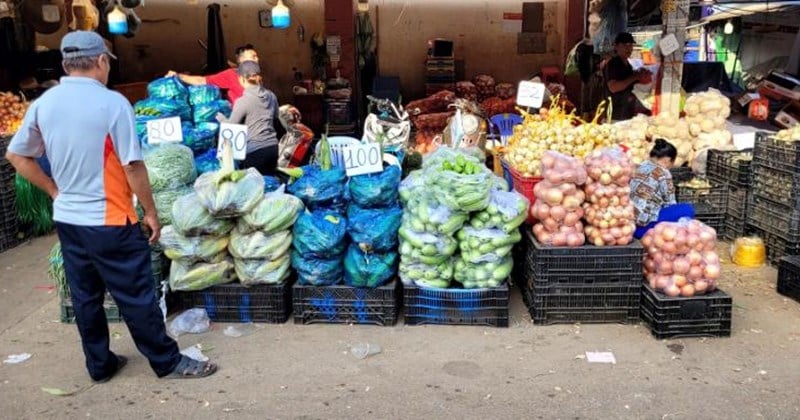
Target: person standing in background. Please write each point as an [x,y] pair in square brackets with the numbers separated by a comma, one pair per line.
[226,79]
[620,78]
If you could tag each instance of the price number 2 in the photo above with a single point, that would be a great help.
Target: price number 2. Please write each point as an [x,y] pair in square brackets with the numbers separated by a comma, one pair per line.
[236,135]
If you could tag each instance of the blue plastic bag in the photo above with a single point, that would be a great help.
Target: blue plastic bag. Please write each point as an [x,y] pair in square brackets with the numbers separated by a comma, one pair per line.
[207,112]
[197,138]
[376,190]
[163,108]
[368,269]
[207,162]
[374,230]
[203,94]
[271,184]
[320,234]
[168,88]
[317,271]
[318,188]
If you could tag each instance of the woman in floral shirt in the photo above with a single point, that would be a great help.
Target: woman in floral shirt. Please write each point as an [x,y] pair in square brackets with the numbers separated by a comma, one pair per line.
[652,190]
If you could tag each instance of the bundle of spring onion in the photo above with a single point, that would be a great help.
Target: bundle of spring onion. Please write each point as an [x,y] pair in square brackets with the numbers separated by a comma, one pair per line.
[55,270]
[34,207]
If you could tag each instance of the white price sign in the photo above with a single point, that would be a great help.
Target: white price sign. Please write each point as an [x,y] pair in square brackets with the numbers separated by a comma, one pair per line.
[668,45]
[236,134]
[530,94]
[164,130]
[360,159]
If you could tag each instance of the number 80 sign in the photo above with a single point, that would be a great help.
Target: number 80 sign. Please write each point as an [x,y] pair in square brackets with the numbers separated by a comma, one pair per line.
[236,134]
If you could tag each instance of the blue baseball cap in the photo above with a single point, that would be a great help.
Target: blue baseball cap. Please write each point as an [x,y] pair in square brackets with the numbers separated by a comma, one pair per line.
[84,44]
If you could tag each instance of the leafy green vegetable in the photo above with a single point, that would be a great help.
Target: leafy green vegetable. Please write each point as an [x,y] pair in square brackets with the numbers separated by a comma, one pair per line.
[169,166]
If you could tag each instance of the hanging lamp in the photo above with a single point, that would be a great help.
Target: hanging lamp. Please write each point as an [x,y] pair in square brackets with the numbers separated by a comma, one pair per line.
[117,21]
[280,16]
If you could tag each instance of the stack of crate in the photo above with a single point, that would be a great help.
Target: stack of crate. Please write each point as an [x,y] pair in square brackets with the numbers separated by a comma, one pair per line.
[774,213]
[9,225]
[440,74]
[732,169]
[710,202]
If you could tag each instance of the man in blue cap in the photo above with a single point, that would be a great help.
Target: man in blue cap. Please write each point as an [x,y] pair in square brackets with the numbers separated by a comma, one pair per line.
[88,133]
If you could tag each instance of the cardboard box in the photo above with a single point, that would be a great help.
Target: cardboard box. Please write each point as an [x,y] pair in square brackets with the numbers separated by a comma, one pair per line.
[789,116]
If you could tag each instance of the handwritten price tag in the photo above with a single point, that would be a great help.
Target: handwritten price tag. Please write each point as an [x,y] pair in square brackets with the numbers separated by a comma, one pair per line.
[360,159]
[164,130]
[236,134]
[530,94]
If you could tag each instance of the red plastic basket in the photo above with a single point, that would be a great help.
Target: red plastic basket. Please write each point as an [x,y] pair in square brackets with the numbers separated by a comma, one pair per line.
[521,183]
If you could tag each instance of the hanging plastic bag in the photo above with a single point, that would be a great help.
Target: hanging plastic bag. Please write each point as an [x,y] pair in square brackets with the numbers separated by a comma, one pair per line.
[376,190]
[169,166]
[368,269]
[374,230]
[203,94]
[190,218]
[185,277]
[317,271]
[320,234]
[199,248]
[319,188]
[258,245]
[275,212]
[230,194]
[255,271]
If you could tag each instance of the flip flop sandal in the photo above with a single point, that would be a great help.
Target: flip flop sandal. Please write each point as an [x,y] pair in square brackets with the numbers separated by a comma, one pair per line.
[189,368]
[121,362]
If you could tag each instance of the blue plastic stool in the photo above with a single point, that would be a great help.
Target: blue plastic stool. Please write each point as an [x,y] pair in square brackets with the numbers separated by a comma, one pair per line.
[505,125]
[671,213]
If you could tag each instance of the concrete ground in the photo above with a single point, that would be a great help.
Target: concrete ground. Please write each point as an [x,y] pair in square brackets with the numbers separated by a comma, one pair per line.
[525,371]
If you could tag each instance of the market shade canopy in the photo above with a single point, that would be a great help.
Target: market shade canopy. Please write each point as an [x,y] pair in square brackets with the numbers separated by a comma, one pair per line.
[724,10]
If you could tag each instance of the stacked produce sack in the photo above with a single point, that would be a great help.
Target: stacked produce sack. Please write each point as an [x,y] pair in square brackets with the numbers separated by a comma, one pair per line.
[559,201]
[608,210]
[429,116]
[682,258]
[171,170]
[438,200]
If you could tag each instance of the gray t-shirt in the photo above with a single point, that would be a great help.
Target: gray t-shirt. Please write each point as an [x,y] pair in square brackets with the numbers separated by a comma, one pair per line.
[257,109]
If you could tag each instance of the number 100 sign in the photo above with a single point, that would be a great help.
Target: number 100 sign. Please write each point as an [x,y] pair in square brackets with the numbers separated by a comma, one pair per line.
[360,159]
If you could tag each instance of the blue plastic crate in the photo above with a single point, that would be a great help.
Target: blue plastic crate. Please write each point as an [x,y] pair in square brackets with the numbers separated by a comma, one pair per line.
[234,302]
[456,306]
[346,304]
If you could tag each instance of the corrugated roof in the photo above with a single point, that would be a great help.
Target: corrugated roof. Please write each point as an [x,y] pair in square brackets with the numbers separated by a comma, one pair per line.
[724,10]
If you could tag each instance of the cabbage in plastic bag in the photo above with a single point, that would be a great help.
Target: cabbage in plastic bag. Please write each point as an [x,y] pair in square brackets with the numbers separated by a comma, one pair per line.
[506,211]
[275,212]
[437,276]
[207,112]
[486,245]
[257,271]
[190,218]
[425,214]
[317,271]
[230,194]
[376,190]
[319,188]
[189,277]
[191,249]
[258,245]
[374,230]
[426,248]
[480,275]
[203,94]
[368,269]
[164,201]
[169,166]
[320,234]
[167,88]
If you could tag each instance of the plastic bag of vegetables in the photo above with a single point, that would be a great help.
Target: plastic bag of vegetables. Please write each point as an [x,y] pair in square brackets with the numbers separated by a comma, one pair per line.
[486,245]
[425,214]
[498,183]
[426,248]
[203,94]
[230,193]
[374,230]
[199,139]
[256,271]
[558,210]
[185,277]
[191,249]
[449,154]
[163,108]
[376,190]
[317,271]
[275,212]
[368,269]
[190,218]
[169,166]
[411,186]
[167,88]
[460,184]
[559,169]
[272,184]
[318,187]
[424,275]
[506,211]
[259,245]
[207,112]
[320,234]
[164,201]
[487,274]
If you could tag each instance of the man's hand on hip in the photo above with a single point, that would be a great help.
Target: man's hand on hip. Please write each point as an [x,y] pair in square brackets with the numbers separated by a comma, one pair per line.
[152,226]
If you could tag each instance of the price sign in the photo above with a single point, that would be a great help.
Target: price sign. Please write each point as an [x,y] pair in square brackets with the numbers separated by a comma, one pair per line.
[360,159]
[164,130]
[530,94]
[668,45]
[236,134]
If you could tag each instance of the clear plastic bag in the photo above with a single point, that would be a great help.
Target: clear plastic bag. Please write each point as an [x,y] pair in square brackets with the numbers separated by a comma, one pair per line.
[184,277]
[558,169]
[368,269]
[318,271]
[486,245]
[436,276]
[259,245]
[191,321]
[260,271]
[230,194]
[444,153]
[506,211]
[190,218]
[194,249]
[427,248]
[425,214]
[275,212]
[319,188]
[376,190]
[498,183]
[169,166]
[459,183]
[203,94]
[167,88]
[374,230]
[164,201]
[610,166]
[320,234]
[481,275]
[411,186]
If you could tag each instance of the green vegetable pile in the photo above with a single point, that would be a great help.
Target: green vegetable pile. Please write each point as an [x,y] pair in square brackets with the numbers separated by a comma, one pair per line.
[169,166]
[191,249]
[275,212]
[34,207]
[461,183]
[506,211]
[259,271]
[230,194]
[190,218]
[437,276]
[260,245]
[198,276]
[164,201]
[482,245]
[488,274]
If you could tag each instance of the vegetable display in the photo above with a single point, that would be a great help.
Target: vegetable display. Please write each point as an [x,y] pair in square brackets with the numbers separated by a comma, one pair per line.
[427,275]
[681,258]
[189,277]
[674,130]
[230,194]
[460,183]
[558,207]
[318,187]
[12,111]
[263,271]
[608,211]
[374,230]
[260,245]
[164,201]
[317,271]
[481,275]
[506,211]
[169,166]
[190,218]
[376,190]
[372,269]
[632,134]
[191,249]
[275,212]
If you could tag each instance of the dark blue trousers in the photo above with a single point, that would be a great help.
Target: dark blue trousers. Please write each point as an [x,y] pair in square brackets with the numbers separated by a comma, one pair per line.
[116,258]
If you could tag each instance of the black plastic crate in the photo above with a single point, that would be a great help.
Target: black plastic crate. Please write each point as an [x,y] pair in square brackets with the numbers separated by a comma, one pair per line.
[487,307]
[570,265]
[716,221]
[773,184]
[681,174]
[731,167]
[235,302]
[592,303]
[738,199]
[779,154]
[697,316]
[789,277]
[711,201]
[777,245]
[776,219]
[347,305]
[519,251]
[734,227]
[111,310]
